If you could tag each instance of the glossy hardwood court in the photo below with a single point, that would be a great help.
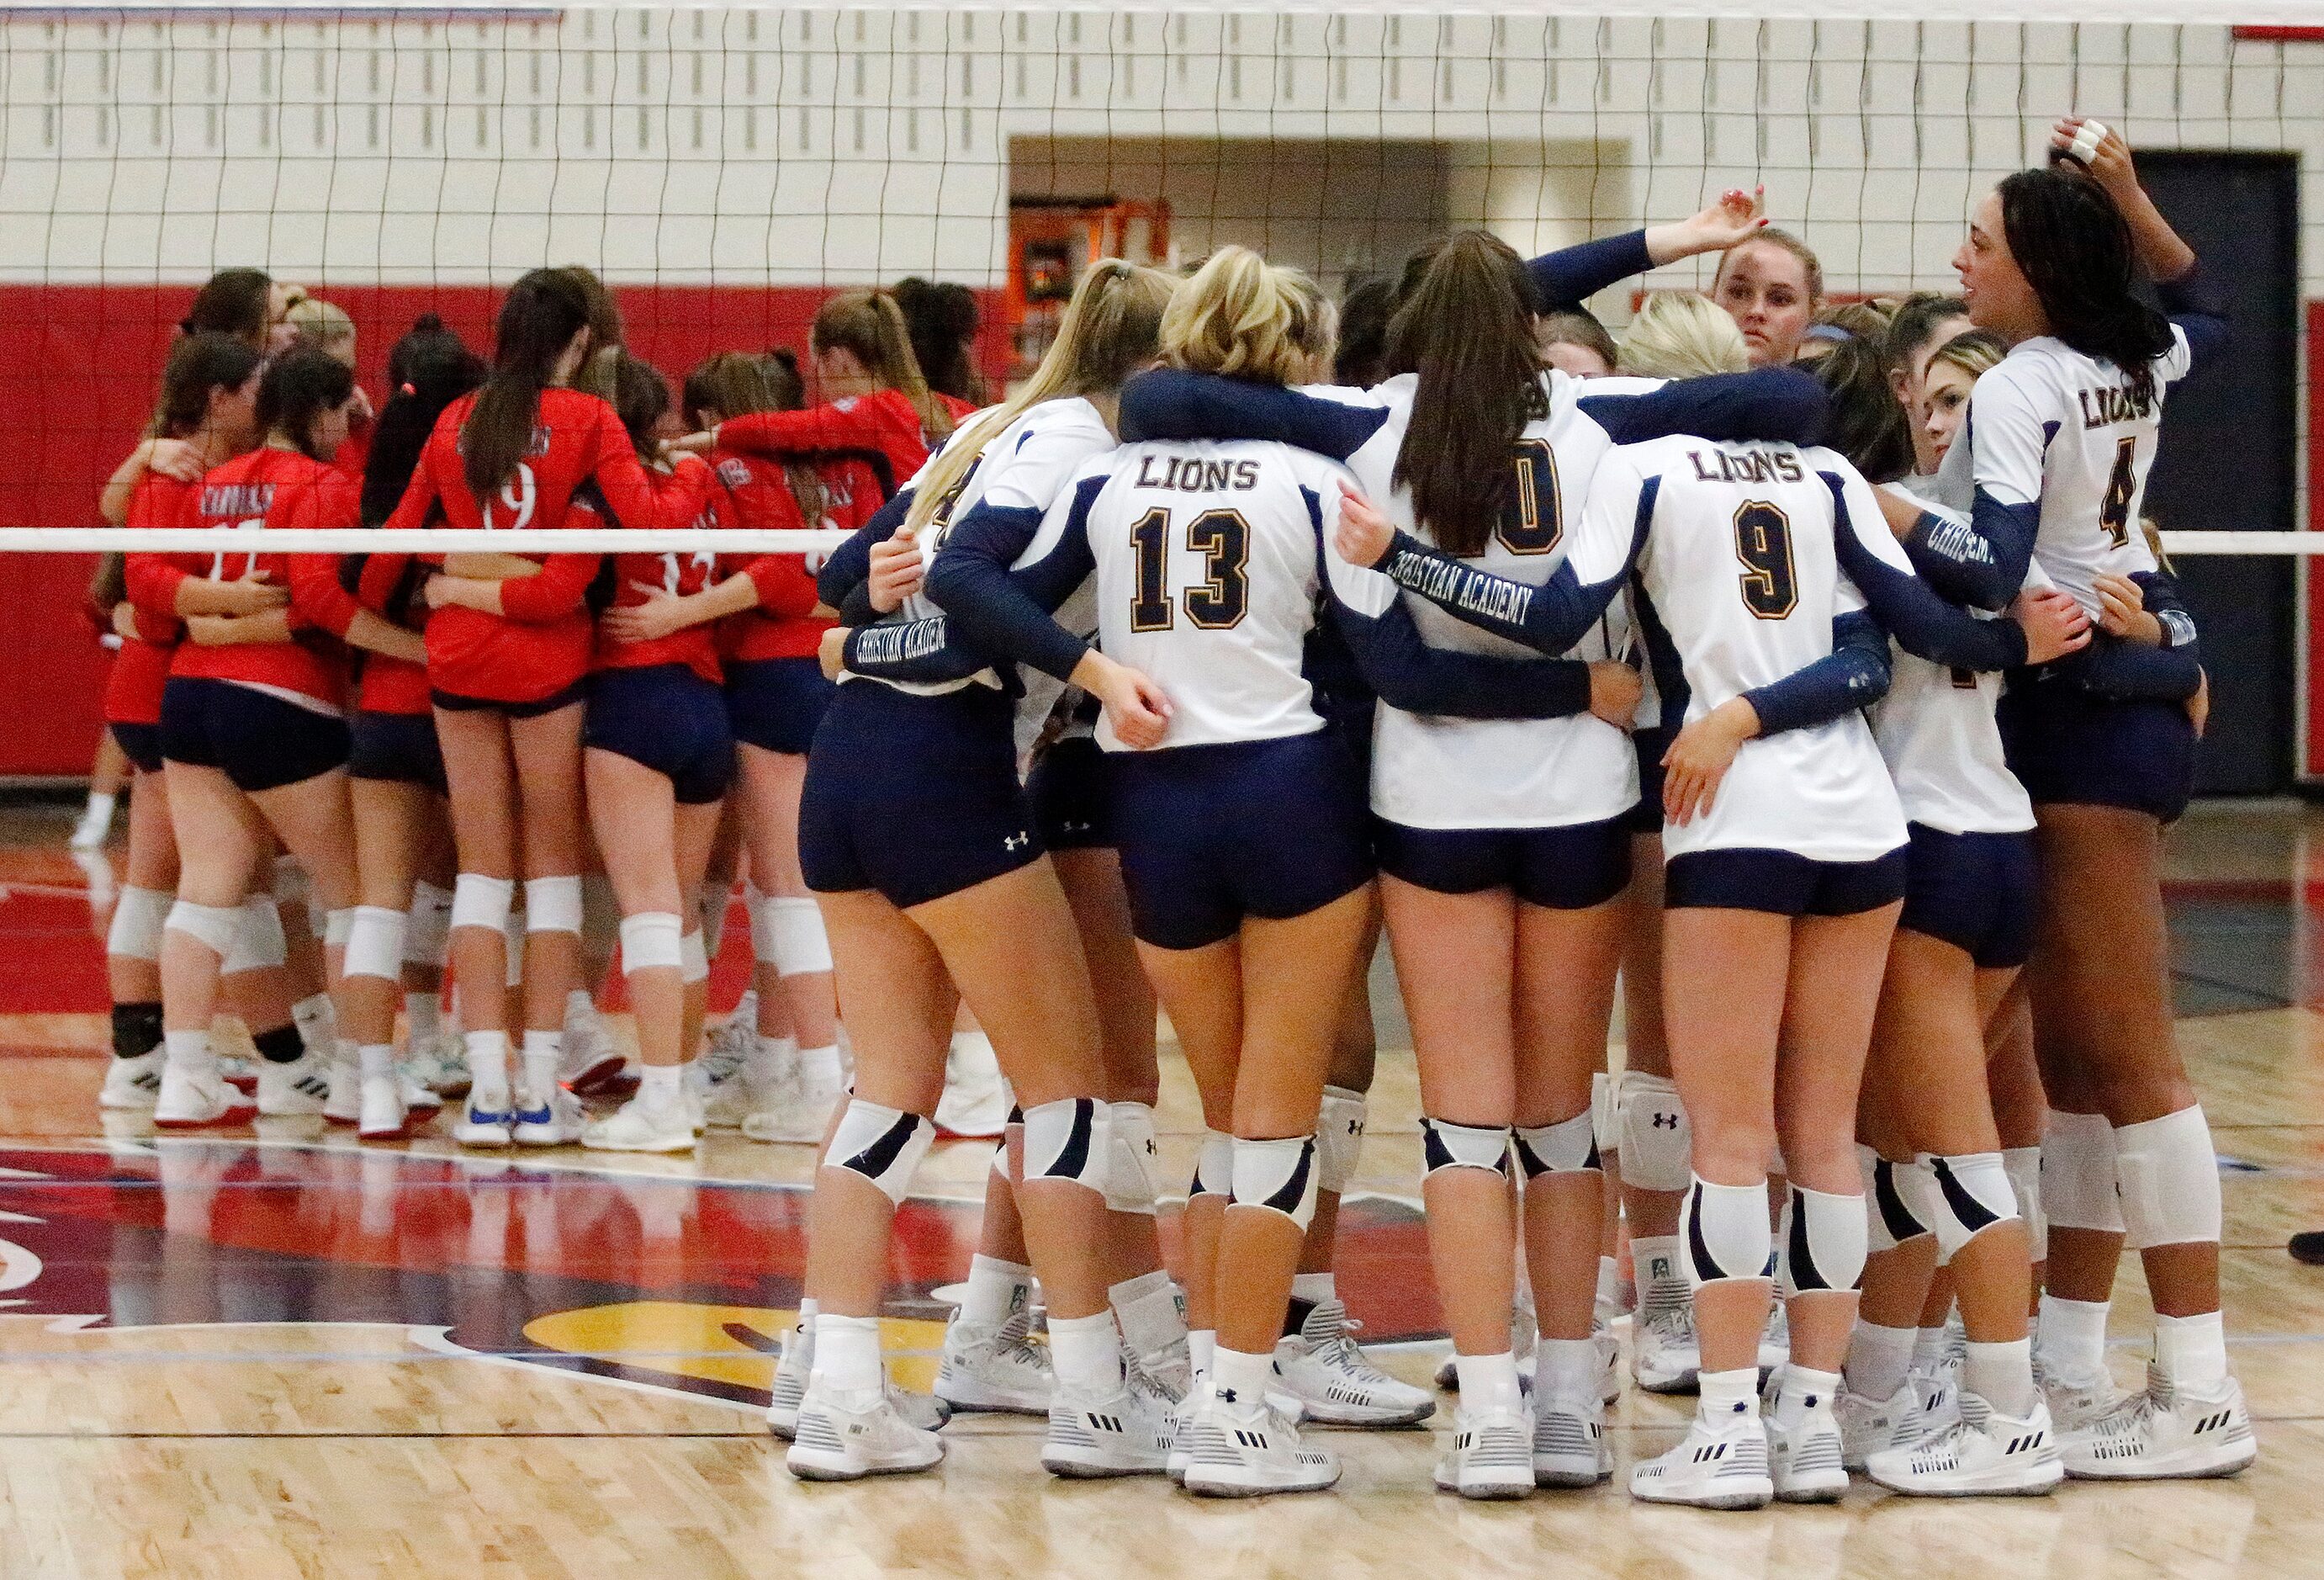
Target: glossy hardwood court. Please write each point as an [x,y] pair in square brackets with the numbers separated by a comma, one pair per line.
[280,1354]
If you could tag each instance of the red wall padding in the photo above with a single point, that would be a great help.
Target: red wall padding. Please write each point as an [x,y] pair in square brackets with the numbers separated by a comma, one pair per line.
[77,368]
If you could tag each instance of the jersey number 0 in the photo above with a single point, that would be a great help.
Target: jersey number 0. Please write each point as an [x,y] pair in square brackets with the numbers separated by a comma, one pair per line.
[1220,601]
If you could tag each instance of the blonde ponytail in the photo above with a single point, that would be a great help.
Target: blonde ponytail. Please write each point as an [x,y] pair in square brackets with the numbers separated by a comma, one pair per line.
[1244,317]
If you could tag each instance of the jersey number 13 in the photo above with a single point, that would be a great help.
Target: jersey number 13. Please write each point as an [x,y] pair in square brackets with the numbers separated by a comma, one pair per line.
[1218,602]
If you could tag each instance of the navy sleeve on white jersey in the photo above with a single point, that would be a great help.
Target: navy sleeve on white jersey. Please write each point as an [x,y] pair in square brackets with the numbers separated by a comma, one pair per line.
[2113,666]
[1854,674]
[1008,614]
[1783,404]
[1171,403]
[1568,276]
[1923,623]
[849,566]
[2200,308]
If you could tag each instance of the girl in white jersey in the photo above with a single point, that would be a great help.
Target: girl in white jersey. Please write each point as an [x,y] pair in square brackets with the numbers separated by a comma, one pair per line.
[915,834]
[2061,436]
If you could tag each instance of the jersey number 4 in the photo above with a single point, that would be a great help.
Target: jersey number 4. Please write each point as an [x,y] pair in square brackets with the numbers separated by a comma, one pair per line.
[2114,509]
[1220,601]
[1763,542]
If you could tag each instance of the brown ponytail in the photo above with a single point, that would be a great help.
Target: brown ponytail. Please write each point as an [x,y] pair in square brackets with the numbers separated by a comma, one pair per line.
[543,312]
[870,324]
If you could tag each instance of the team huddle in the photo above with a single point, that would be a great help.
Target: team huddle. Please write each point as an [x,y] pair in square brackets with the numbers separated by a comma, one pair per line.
[1804,672]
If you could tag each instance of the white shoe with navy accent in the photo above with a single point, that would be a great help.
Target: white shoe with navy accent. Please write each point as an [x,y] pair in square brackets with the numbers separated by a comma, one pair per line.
[2166,1433]
[1321,1367]
[1127,1432]
[1721,1463]
[1983,1454]
[1875,1425]
[994,1368]
[1247,1450]
[1805,1457]
[1664,1356]
[1490,1454]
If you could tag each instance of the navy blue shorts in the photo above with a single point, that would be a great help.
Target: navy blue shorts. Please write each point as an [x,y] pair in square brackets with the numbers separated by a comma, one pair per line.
[1570,868]
[1649,743]
[1210,835]
[915,797]
[256,739]
[1068,788]
[398,747]
[1976,891]
[2067,746]
[141,743]
[776,703]
[452,702]
[1782,883]
[669,718]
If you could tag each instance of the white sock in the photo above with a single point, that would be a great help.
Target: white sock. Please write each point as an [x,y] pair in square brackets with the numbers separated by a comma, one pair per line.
[1661,1275]
[997,1291]
[1488,1382]
[1566,1367]
[544,1051]
[579,1006]
[423,1018]
[2070,1338]
[658,1087]
[1151,1310]
[1241,1379]
[378,1060]
[312,1016]
[1878,1359]
[2002,1376]
[847,1351]
[1804,1388]
[1314,1287]
[1201,1343]
[98,808]
[763,1066]
[1086,1353]
[1928,1347]
[1726,1393]
[2192,1349]
[187,1049]
[819,1067]
[488,1068]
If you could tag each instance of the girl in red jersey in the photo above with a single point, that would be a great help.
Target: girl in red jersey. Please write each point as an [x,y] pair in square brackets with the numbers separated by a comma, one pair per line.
[877,406]
[659,760]
[508,644]
[251,725]
[209,395]
[326,327]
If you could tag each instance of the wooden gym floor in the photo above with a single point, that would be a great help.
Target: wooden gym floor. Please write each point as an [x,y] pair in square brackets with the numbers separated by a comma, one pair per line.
[281,1355]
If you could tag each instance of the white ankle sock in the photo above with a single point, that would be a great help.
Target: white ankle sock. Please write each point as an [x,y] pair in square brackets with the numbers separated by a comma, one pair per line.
[187,1049]
[488,1068]
[1878,1359]
[847,1352]
[544,1051]
[763,1066]
[820,1067]
[997,1291]
[1314,1288]
[1201,1343]
[1610,1282]
[1803,1389]
[1151,1310]
[658,1084]
[1567,1367]
[1241,1379]
[1488,1383]
[1928,1347]
[2192,1349]
[2002,1376]
[1086,1353]
[579,1005]
[312,1016]
[1727,1393]
[379,1059]
[2070,1337]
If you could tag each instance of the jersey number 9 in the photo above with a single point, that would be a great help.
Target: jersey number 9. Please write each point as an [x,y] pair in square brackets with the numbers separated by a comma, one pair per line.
[1220,600]
[1763,542]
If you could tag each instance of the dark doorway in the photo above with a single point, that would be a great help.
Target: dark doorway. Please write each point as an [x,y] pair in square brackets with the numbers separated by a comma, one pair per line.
[2228,461]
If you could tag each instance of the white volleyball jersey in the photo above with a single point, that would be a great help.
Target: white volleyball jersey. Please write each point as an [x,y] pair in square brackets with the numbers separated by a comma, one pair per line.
[1937,733]
[1433,771]
[1207,570]
[1025,466]
[2052,427]
[1738,581]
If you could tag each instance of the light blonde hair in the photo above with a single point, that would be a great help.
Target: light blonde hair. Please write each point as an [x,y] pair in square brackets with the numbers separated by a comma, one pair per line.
[868,323]
[324,325]
[1975,352]
[1782,240]
[1111,326]
[1243,315]
[1678,334]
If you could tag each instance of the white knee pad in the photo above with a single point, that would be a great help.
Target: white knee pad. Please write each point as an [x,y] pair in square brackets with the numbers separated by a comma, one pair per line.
[1823,1241]
[1567,1146]
[138,917]
[290,880]
[2024,1167]
[478,901]
[796,941]
[1214,1166]
[338,925]
[215,925]
[1278,1175]
[1969,1194]
[1605,1113]
[553,905]
[1657,1140]
[2077,1173]
[2170,1178]
[1725,1227]
[1129,1160]
[1339,1138]
[1071,1138]
[882,1144]
[650,939]
[693,957]
[375,942]
[1890,1218]
[258,940]
[1445,1145]
[429,932]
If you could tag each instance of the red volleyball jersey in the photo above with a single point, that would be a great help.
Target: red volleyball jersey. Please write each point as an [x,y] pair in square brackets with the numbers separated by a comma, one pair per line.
[390,685]
[784,624]
[883,429]
[132,690]
[638,576]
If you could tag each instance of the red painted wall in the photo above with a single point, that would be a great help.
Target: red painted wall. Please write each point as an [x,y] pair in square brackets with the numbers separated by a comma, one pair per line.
[77,365]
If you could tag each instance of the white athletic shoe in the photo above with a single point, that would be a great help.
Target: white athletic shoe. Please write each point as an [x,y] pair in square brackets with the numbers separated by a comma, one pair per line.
[1094,1435]
[484,1120]
[1983,1455]
[1664,1355]
[1524,1334]
[975,1101]
[994,1369]
[1171,1369]
[2165,1433]
[555,1123]
[844,1437]
[442,1065]
[1321,1367]
[1805,1457]
[1182,1427]
[299,1089]
[725,1049]
[794,1361]
[1569,1442]
[342,1101]
[1876,1425]
[195,1096]
[383,1117]
[2075,1402]
[733,1100]
[1249,1450]
[1609,1363]
[131,1085]
[419,1096]
[641,1126]
[239,1072]
[1488,1455]
[1719,1464]
[798,1111]
[1938,1389]
[589,1057]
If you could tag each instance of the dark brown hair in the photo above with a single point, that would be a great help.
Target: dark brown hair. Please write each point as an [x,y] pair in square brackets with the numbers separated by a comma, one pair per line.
[735,384]
[1868,424]
[239,302]
[544,310]
[297,386]
[199,364]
